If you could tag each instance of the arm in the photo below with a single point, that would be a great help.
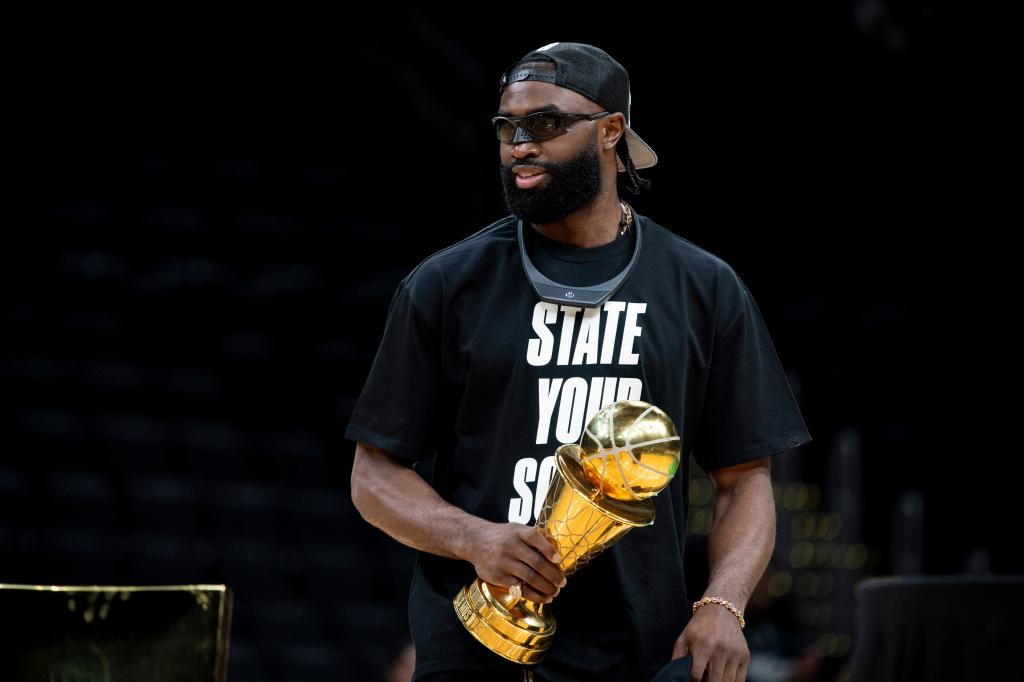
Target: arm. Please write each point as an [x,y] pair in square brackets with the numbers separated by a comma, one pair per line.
[739,548]
[395,499]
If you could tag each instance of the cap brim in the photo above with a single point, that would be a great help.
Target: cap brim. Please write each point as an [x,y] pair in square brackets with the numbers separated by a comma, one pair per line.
[642,155]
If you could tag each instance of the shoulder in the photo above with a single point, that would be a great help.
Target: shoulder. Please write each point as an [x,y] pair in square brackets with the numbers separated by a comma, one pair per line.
[707,277]
[697,261]
[459,260]
[482,243]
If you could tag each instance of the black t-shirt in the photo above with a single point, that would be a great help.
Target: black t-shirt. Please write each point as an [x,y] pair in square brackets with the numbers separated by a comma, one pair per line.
[476,371]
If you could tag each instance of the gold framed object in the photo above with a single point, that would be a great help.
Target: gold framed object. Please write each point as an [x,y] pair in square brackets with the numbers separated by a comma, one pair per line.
[115,633]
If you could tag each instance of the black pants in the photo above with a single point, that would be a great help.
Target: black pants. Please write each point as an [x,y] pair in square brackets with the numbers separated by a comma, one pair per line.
[675,671]
[512,673]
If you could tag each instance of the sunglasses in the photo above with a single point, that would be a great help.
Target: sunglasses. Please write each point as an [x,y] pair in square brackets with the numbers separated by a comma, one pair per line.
[542,125]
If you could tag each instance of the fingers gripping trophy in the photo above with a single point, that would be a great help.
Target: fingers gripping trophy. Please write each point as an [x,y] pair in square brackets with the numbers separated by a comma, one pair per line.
[601,489]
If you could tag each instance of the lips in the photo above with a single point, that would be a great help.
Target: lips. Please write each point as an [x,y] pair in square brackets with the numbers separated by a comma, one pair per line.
[528,176]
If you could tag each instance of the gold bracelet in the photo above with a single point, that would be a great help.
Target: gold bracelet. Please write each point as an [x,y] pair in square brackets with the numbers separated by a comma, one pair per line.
[721,602]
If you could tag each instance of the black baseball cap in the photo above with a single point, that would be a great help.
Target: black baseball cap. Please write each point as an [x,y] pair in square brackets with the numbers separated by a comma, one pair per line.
[591,72]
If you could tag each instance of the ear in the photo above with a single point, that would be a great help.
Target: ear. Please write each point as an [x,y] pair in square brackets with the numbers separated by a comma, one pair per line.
[614,128]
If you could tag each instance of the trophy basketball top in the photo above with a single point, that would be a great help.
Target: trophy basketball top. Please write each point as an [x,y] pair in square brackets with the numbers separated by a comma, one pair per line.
[630,450]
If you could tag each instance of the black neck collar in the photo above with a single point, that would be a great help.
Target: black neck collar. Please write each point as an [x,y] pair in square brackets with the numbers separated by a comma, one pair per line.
[588,296]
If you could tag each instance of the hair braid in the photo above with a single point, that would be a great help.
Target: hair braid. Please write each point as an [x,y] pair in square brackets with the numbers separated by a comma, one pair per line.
[629,181]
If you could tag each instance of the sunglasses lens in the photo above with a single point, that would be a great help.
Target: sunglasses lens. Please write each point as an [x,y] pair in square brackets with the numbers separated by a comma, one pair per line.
[539,126]
[505,129]
[542,125]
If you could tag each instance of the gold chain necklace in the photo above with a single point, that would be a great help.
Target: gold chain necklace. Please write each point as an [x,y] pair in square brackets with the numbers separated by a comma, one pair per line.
[627,218]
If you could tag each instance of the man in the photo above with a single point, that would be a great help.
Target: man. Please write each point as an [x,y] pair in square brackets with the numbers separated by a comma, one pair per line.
[478,370]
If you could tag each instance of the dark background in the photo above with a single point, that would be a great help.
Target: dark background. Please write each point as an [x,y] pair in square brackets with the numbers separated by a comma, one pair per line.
[201,235]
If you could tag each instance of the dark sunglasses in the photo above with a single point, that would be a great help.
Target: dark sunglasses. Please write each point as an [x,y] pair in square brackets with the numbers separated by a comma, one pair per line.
[542,125]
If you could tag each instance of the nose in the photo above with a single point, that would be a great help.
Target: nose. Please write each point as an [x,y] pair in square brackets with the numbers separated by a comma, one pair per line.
[521,149]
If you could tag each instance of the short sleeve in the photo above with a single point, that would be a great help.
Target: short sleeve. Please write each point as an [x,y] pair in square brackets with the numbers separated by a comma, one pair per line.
[396,409]
[749,409]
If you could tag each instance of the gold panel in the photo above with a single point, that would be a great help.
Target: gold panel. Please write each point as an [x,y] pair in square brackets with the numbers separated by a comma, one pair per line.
[114,633]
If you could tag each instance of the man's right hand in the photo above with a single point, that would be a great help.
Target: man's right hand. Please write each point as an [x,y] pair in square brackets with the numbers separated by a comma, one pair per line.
[397,500]
[507,554]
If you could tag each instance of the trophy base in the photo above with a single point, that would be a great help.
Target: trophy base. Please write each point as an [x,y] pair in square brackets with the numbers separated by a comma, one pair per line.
[514,628]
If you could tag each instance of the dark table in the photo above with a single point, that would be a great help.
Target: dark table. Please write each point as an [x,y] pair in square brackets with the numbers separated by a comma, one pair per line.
[957,627]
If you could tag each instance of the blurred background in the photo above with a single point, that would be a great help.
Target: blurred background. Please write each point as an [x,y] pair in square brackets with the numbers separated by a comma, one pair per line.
[203,228]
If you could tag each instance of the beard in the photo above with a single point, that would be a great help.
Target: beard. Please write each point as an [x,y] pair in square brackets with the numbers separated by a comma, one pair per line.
[569,187]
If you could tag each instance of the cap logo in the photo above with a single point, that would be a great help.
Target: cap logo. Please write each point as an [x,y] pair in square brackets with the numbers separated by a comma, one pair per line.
[546,47]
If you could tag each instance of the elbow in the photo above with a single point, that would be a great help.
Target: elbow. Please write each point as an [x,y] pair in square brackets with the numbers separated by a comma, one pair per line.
[361,485]
[372,469]
[358,494]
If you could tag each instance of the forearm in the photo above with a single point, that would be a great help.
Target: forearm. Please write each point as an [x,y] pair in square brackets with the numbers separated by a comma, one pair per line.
[399,502]
[742,538]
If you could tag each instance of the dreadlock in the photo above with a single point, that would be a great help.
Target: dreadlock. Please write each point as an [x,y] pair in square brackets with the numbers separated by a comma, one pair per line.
[629,182]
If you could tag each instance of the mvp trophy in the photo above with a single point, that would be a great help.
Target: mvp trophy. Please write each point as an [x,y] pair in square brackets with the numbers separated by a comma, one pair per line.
[602,488]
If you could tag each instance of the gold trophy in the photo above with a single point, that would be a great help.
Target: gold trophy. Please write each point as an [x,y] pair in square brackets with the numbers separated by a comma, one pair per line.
[601,489]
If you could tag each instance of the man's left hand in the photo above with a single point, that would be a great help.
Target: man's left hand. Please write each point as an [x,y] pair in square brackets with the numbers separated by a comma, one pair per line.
[714,639]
